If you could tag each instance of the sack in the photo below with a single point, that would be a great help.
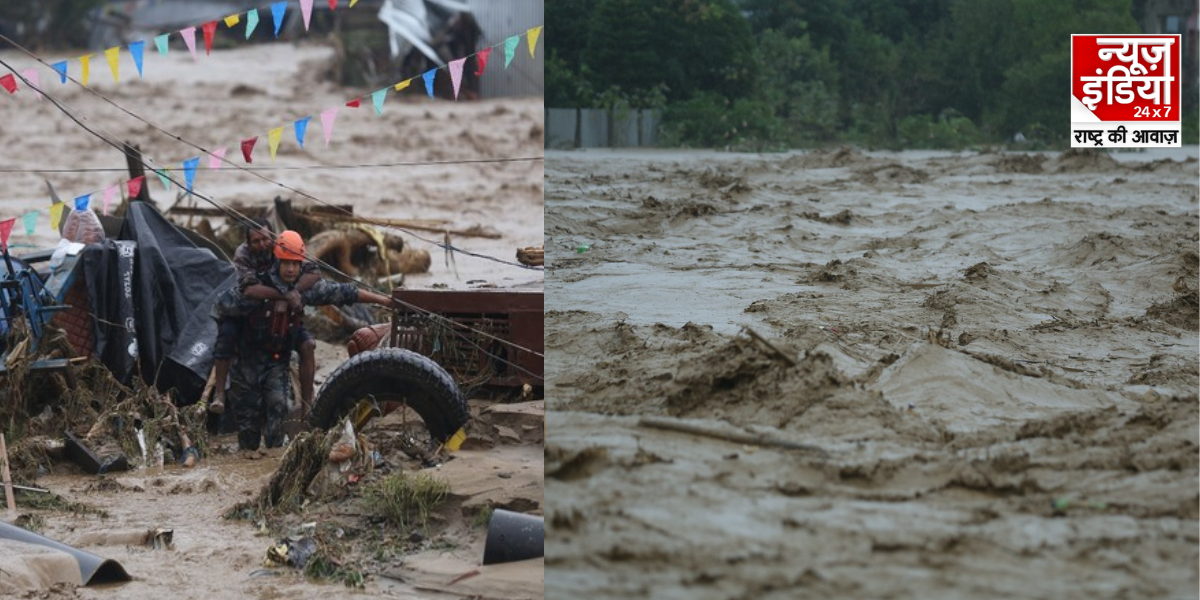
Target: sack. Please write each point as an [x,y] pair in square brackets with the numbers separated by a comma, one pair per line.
[83,226]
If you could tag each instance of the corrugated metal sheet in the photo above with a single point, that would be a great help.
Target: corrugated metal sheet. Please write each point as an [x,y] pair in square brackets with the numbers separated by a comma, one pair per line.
[500,19]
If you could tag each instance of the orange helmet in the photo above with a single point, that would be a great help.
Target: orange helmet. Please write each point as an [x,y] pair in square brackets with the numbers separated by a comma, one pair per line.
[289,246]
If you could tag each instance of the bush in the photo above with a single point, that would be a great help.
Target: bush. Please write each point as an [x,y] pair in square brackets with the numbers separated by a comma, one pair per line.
[404,500]
[949,132]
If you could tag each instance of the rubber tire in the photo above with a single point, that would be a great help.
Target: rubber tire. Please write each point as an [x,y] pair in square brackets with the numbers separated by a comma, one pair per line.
[393,374]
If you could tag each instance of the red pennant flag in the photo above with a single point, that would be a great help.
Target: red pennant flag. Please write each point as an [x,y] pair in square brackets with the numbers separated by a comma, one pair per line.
[10,83]
[355,103]
[135,186]
[332,4]
[5,229]
[248,148]
[481,60]
[210,29]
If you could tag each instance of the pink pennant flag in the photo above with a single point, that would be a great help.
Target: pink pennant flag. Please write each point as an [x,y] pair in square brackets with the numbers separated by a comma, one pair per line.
[210,30]
[6,229]
[31,75]
[306,10]
[135,186]
[248,148]
[456,67]
[189,38]
[481,60]
[109,192]
[327,117]
[9,82]
[214,161]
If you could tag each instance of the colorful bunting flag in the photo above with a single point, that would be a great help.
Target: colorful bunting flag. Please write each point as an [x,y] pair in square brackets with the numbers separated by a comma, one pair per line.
[428,76]
[377,98]
[114,62]
[456,67]
[306,11]
[232,20]
[189,171]
[161,42]
[277,11]
[61,67]
[216,159]
[135,186]
[31,76]
[273,137]
[85,66]
[333,4]
[162,178]
[30,220]
[481,60]
[210,30]
[81,203]
[56,214]
[510,48]
[328,116]
[352,3]
[301,126]
[355,103]
[9,83]
[533,38]
[109,192]
[403,84]
[189,38]
[248,148]
[6,229]
[251,22]
[137,49]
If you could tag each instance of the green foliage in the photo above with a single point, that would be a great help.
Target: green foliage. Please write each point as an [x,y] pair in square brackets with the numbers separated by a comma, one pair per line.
[49,23]
[1191,128]
[484,517]
[406,500]
[949,131]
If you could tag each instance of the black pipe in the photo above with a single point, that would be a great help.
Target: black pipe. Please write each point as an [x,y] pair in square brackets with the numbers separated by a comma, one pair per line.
[92,568]
[514,536]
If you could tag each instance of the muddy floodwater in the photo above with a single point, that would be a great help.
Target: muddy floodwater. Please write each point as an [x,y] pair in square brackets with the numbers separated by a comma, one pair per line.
[868,374]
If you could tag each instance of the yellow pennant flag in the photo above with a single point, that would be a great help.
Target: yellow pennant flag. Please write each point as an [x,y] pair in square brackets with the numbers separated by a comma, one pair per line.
[232,20]
[114,61]
[533,38]
[352,3]
[85,64]
[56,214]
[403,84]
[273,138]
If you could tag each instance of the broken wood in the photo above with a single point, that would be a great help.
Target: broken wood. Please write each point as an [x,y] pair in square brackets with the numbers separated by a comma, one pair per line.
[726,434]
[774,349]
[533,256]
[477,231]
[7,473]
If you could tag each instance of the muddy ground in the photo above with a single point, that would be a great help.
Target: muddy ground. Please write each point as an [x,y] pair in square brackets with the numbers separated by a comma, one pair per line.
[979,375]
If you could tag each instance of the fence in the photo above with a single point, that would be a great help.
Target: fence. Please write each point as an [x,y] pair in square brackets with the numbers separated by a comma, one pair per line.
[568,128]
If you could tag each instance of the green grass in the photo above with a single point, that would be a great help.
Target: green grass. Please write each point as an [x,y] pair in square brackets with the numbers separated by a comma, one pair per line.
[404,500]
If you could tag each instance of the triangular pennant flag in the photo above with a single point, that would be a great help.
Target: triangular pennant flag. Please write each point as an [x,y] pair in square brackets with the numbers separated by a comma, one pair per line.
[333,4]
[232,20]
[61,67]
[248,148]
[377,98]
[161,42]
[301,126]
[9,83]
[327,118]
[56,214]
[510,49]
[136,49]
[251,22]
[85,66]
[352,3]
[456,67]
[210,30]
[162,177]
[533,38]
[216,159]
[428,76]
[135,186]
[355,103]
[189,171]
[306,11]
[109,192]
[277,11]
[31,76]
[114,62]
[5,230]
[481,60]
[81,203]
[189,38]
[403,84]
[53,194]
[30,220]
[273,137]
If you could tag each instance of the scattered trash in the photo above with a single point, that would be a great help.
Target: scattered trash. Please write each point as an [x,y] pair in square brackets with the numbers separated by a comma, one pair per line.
[290,552]
[87,459]
[160,539]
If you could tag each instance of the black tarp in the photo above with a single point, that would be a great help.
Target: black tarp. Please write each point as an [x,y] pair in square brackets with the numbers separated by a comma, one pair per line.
[172,286]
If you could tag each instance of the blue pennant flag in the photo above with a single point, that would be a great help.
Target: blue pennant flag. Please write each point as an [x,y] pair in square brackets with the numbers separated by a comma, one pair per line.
[81,203]
[301,127]
[136,49]
[61,67]
[189,171]
[429,75]
[277,11]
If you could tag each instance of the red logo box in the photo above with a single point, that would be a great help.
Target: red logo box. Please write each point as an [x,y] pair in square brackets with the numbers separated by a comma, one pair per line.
[1127,77]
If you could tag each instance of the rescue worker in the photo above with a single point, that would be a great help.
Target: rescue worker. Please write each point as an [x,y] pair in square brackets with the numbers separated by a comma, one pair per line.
[272,330]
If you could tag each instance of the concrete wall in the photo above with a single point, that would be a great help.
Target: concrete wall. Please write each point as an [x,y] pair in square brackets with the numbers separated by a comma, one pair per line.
[598,128]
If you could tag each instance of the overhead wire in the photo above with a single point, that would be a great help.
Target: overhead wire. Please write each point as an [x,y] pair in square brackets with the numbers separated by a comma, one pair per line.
[313,167]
